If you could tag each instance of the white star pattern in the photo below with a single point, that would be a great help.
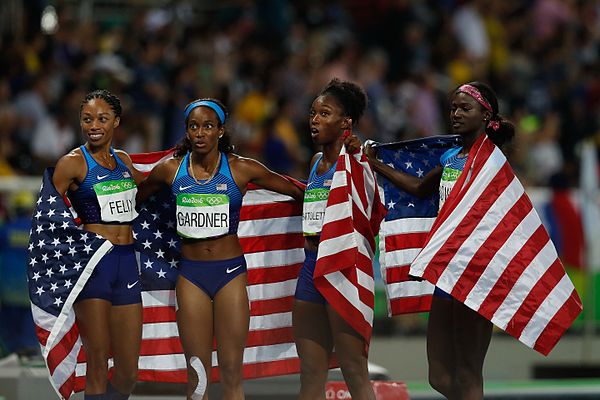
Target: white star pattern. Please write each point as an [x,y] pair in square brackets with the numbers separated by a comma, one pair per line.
[145,225]
[161,273]
[148,264]
[52,199]
[391,204]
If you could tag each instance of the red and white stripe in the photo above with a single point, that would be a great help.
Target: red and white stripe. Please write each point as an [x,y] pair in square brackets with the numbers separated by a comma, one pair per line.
[489,249]
[344,269]
[400,241]
[144,162]
[270,232]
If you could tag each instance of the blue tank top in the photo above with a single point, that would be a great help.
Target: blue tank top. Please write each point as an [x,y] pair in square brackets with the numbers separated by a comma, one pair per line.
[315,199]
[452,167]
[207,209]
[101,191]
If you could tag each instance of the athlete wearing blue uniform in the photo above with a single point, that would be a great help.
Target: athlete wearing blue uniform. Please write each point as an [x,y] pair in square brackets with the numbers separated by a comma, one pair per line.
[318,327]
[313,212]
[107,196]
[207,182]
[101,185]
[457,337]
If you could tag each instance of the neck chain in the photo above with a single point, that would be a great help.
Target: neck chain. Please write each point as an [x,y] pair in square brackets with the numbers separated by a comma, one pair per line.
[106,159]
[213,173]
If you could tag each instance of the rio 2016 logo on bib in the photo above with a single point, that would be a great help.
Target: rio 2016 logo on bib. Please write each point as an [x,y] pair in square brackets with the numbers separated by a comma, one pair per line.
[201,216]
[116,199]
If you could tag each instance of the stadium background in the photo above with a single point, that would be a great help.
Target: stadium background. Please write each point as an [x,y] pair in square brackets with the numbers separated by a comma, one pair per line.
[267,59]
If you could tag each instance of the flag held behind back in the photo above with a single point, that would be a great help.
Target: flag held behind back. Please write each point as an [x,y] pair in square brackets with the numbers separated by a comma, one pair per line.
[502,262]
[408,220]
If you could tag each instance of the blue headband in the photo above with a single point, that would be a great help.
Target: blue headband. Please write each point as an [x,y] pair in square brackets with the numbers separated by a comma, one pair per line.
[207,103]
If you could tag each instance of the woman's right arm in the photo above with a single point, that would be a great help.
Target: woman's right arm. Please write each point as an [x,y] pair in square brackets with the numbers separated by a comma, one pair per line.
[69,169]
[160,177]
[424,187]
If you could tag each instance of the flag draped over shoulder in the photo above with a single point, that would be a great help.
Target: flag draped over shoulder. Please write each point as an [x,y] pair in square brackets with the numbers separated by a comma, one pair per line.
[408,220]
[489,249]
[344,269]
[61,259]
[63,256]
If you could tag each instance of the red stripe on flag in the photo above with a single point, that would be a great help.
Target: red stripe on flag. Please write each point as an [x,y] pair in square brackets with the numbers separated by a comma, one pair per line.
[405,241]
[490,246]
[284,241]
[559,324]
[271,210]
[414,304]
[62,348]
[271,306]
[512,271]
[273,274]
[542,288]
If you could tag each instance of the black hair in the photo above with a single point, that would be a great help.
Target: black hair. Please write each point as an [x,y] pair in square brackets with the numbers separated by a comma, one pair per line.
[112,100]
[351,97]
[225,145]
[505,131]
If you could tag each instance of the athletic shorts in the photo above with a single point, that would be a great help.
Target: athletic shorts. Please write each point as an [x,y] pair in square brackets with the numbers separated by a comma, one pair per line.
[211,276]
[305,288]
[116,278]
[441,294]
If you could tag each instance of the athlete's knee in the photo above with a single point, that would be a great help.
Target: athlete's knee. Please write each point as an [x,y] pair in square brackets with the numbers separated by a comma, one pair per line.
[230,374]
[469,378]
[442,382]
[125,379]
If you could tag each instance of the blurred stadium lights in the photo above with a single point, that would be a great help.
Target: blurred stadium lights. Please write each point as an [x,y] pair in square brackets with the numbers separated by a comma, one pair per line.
[49,22]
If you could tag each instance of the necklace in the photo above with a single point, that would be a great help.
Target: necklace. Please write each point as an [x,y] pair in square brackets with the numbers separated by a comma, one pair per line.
[214,170]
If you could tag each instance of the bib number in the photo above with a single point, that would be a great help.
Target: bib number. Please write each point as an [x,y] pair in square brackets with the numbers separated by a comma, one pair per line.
[202,216]
[313,211]
[117,200]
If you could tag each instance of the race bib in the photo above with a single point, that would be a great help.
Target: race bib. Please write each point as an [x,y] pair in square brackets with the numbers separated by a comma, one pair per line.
[313,210]
[449,178]
[201,216]
[117,200]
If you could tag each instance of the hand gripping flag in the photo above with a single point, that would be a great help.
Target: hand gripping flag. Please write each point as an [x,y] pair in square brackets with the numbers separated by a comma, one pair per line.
[408,220]
[61,259]
[489,249]
[344,270]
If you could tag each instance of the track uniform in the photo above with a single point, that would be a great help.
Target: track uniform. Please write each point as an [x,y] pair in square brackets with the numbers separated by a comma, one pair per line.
[208,209]
[313,213]
[108,197]
[452,165]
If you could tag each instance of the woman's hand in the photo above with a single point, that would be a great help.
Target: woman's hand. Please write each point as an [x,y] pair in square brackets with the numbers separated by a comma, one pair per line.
[352,143]
[369,151]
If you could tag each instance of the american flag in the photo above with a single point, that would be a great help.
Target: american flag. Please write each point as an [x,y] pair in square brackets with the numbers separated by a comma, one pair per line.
[503,263]
[270,232]
[61,259]
[344,269]
[408,220]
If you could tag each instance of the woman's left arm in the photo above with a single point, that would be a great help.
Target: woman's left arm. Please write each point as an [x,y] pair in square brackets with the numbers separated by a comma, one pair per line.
[255,172]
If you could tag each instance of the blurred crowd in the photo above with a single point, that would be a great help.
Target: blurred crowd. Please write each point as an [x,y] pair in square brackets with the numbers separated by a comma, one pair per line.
[267,59]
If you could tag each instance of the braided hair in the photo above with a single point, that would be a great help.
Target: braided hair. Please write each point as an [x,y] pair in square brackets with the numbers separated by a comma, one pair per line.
[110,99]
